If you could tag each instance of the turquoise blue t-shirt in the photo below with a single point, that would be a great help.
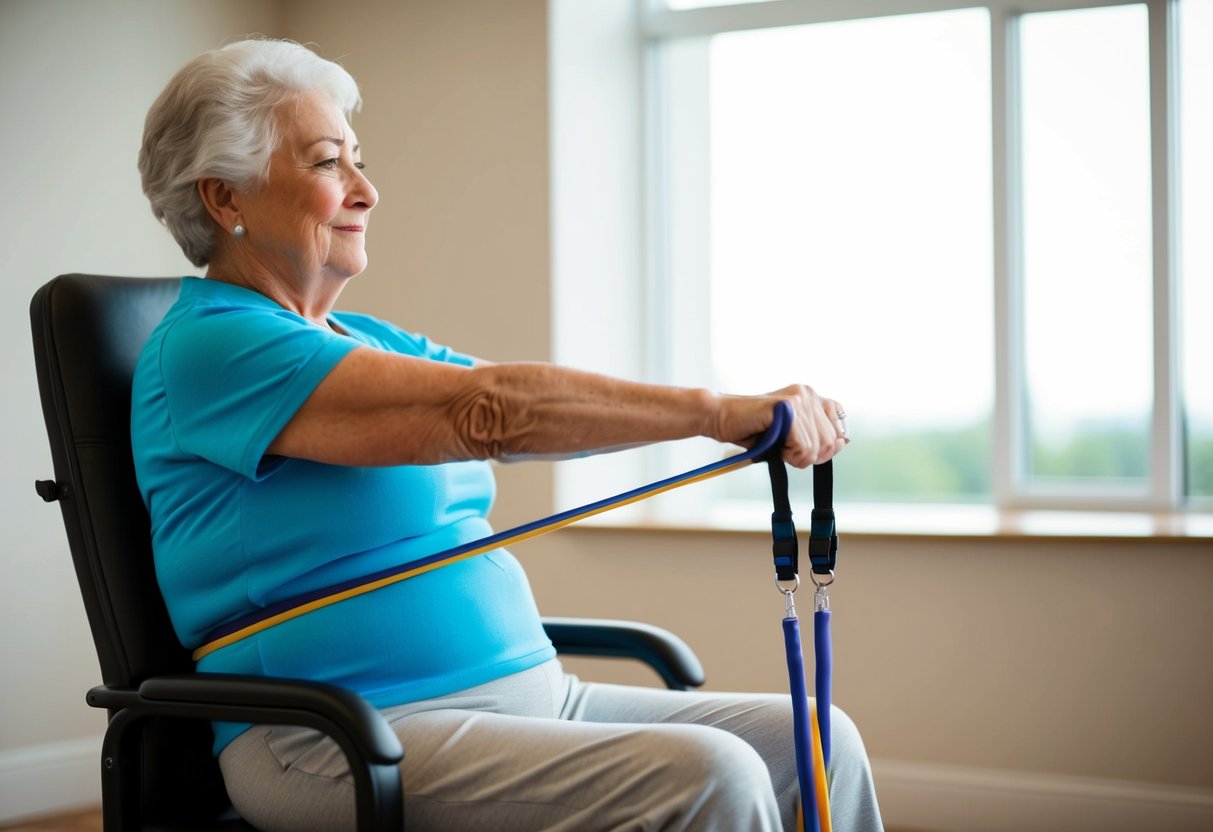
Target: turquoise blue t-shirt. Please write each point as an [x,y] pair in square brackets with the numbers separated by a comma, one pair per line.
[234,530]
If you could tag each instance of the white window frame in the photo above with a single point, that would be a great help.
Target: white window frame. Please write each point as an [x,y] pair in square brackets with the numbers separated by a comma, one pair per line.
[613,45]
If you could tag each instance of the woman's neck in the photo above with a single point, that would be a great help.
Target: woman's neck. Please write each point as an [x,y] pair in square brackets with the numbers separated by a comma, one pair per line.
[313,299]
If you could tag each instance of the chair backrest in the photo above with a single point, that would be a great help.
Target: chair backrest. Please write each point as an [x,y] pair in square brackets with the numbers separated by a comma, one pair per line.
[88,333]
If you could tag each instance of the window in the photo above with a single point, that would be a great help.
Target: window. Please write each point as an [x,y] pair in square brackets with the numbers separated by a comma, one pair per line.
[982,228]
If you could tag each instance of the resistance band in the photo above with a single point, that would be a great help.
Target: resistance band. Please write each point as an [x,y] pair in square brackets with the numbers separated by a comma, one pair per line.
[811,725]
[810,721]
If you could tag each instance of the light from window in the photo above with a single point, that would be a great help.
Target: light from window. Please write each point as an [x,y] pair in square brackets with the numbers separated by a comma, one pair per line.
[1087,246]
[849,237]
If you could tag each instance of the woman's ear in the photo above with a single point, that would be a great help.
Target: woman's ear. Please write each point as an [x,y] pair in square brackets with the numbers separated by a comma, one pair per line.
[220,202]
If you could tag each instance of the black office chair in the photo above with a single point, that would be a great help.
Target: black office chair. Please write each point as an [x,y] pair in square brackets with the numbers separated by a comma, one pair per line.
[157,769]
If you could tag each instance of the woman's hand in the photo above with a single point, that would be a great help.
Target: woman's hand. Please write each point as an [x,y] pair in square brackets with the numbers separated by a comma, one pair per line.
[818,431]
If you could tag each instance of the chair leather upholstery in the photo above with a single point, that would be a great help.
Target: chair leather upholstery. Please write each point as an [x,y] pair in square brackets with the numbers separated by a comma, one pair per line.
[97,327]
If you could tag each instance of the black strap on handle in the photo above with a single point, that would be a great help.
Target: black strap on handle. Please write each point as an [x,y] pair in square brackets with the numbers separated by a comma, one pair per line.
[783,531]
[823,536]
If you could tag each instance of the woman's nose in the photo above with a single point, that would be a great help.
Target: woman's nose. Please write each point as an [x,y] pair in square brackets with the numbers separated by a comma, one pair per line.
[362,193]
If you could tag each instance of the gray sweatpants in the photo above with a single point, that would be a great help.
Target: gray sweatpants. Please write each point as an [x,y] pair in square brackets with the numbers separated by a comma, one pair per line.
[541,750]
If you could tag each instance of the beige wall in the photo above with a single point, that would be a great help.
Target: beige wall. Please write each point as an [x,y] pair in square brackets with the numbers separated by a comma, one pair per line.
[1045,656]
[76,78]
[1032,656]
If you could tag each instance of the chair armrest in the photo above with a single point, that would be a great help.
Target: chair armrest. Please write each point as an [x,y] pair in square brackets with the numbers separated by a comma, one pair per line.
[371,748]
[263,699]
[674,661]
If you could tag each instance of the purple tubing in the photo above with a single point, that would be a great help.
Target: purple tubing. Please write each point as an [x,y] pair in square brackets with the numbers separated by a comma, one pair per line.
[801,727]
[824,659]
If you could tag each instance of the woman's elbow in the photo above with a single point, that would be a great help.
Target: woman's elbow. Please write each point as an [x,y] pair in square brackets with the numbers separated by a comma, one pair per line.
[484,427]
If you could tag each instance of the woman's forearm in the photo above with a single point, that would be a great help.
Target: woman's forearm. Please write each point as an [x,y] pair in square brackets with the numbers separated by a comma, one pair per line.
[525,409]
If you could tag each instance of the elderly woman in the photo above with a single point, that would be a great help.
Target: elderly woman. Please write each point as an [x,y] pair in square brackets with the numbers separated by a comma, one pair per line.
[282,447]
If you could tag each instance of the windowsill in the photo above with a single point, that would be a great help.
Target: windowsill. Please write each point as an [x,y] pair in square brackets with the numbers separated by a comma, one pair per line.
[935,521]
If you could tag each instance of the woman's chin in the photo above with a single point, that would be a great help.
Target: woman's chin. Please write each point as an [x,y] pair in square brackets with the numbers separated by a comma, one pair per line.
[348,267]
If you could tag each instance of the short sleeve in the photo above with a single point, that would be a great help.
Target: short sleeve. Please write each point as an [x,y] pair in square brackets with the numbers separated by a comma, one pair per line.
[234,376]
[388,336]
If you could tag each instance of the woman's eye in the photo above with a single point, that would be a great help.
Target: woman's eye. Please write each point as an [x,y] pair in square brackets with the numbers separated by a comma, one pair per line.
[327,164]
[360,165]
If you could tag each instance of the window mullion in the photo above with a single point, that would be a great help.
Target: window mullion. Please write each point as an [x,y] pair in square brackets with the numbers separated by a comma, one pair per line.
[1007,463]
[1165,447]
[658,303]
[661,23]
[655,222]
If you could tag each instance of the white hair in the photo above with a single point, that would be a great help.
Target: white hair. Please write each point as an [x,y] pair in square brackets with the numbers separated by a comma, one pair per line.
[216,119]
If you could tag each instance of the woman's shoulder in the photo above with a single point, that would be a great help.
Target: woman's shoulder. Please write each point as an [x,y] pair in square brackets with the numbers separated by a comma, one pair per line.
[368,324]
[388,336]
[223,326]
[211,308]
[207,304]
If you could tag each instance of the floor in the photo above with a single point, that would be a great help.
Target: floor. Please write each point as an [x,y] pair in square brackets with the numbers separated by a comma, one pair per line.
[91,822]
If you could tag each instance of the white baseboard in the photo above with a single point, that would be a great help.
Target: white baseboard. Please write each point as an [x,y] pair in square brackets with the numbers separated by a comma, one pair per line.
[959,799]
[50,778]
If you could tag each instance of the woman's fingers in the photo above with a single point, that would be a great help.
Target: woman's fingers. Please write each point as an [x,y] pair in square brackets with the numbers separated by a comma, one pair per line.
[819,430]
[838,418]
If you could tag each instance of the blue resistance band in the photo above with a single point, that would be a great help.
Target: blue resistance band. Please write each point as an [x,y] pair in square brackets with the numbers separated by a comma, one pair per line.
[810,721]
[812,730]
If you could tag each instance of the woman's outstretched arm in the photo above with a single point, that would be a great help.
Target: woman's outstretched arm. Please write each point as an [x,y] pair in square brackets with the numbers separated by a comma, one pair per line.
[379,408]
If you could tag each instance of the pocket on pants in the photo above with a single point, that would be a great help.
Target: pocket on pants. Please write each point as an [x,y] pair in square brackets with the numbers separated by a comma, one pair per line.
[307,751]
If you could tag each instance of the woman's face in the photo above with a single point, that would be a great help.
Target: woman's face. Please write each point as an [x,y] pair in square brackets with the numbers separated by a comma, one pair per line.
[310,216]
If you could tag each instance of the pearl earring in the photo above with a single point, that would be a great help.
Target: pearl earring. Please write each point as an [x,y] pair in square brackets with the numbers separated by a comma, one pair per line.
[238,231]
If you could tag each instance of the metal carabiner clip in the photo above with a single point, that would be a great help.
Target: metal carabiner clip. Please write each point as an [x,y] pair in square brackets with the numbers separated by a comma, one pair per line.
[821,598]
[789,604]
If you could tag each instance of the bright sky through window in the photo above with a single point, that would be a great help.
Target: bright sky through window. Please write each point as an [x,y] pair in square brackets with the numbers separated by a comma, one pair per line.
[850,215]
[1086,224]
